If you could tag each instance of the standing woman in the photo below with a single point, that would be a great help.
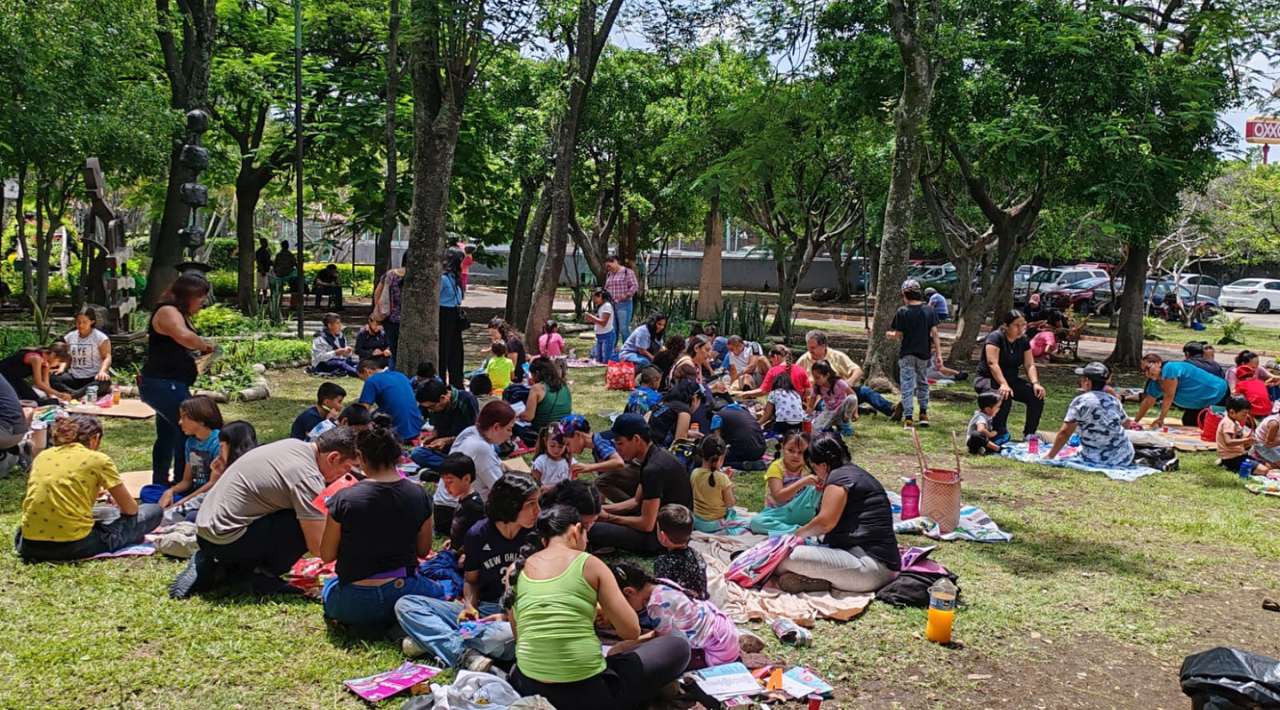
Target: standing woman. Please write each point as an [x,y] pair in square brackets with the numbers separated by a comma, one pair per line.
[170,370]
[553,592]
[90,351]
[450,319]
[1004,351]
[386,303]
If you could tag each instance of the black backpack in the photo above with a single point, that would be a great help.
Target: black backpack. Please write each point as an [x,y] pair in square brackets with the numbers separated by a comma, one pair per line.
[912,589]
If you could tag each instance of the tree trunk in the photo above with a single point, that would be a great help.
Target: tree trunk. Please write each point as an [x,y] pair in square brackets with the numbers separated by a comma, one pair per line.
[529,250]
[28,283]
[1129,332]
[187,65]
[711,275]
[391,208]
[44,245]
[248,192]
[918,75]
[528,192]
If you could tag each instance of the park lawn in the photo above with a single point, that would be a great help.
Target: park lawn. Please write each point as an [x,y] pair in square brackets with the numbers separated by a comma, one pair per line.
[1101,577]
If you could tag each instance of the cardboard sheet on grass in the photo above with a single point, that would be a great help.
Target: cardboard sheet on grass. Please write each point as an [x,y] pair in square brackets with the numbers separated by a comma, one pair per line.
[1182,438]
[744,605]
[135,480]
[127,409]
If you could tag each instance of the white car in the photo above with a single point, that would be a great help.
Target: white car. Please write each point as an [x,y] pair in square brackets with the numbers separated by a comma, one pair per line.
[1203,285]
[1260,295]
[1055,280]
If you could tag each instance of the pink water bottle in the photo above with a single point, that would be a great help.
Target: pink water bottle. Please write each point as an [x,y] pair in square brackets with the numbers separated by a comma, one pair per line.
[910,499]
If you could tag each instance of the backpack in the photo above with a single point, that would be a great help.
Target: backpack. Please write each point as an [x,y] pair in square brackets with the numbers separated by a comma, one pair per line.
[911,586]
[1161,458]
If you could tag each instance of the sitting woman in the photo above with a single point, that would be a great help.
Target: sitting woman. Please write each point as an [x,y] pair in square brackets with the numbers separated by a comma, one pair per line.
[89,351]
[643,343]
[670,421]
[664,360]
[554,592]
[785,407]
[858,551]
[38,364]
[1004,351]
[493,427]
[376,530]
[1180,383]
[549,400]
[59,518]
[697,352]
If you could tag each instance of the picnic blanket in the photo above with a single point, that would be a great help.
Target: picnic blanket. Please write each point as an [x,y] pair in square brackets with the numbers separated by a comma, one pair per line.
[1182,438]
[743,605]
[583,362]
[1261,485]
[975,525]
[142,549]
[1069,457]
[127,409]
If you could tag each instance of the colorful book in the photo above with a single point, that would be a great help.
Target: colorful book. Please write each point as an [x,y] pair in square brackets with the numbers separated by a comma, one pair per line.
[384,685]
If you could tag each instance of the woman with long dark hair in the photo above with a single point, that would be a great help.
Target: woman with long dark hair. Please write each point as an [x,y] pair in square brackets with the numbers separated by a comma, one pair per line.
[170,370]
[1004,351]
[450,319]
[644,342]
[553,592]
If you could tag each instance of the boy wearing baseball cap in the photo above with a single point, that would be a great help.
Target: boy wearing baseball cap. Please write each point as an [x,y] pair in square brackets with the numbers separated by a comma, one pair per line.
[1099,418]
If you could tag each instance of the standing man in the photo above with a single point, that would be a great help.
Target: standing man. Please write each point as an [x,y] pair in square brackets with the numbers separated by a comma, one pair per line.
[621,283]
[263,259]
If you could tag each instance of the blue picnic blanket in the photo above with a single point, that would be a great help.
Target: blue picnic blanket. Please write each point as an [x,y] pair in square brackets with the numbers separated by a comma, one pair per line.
[1069,457]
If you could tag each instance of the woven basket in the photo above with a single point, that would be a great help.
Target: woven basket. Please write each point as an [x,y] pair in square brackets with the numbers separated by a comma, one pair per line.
[940,489]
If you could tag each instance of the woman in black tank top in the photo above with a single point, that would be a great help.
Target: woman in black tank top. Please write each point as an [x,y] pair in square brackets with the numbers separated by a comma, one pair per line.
[170,370]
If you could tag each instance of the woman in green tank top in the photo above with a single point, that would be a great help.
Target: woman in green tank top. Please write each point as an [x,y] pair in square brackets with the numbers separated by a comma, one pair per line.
[552,601]
[549,399]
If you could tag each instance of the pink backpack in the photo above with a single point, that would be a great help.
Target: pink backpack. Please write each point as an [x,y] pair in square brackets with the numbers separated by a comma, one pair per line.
[756,564]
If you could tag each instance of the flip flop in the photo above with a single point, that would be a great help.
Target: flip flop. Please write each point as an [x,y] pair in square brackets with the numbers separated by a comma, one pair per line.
[1270,605]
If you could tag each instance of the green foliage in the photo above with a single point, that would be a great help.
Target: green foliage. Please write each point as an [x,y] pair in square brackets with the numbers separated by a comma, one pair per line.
[1151,327]
[360,283]
[220,319]
[743,316]
[234,369]
[12,339]
[1232,331]
[222,253]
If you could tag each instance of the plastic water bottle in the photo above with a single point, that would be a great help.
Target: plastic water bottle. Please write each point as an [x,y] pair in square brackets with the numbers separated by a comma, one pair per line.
[910,499]
[942,611]
[91,394]
[1033,444]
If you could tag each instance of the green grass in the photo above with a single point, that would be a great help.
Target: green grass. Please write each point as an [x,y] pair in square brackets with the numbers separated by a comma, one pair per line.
[1091,559]
[1251,337]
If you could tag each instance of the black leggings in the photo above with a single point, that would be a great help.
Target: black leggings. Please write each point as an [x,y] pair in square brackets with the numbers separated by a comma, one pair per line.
[450,364]
[272,543]
[1022,392]
[629,680]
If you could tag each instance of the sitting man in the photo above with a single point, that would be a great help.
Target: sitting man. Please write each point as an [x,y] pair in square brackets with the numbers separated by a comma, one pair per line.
[391,392]
[328,283]
[746,368]
[846,369]
[262,516]
[448,410]
[631,526]
[1099,418]
[330,354]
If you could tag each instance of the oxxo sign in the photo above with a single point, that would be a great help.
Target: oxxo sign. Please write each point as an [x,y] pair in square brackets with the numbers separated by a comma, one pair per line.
[1262,129]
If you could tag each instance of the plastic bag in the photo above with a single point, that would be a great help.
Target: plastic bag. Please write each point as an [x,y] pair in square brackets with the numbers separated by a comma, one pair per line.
[620,376]
[1224,678]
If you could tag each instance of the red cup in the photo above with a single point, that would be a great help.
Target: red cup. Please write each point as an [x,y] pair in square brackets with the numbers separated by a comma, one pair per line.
[815,702]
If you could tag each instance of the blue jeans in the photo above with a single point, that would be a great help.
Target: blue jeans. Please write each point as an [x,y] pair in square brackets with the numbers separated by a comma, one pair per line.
[426,457]
[107,535]
[358,605]
[639,360]
[622,311]
[914,383]
[433,625]
[875,399]
[168,453]
[602,351]
[335,366]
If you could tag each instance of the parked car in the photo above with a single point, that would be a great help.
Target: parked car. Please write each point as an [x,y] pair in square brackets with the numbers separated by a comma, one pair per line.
[1259,294]
[1055,279]
[933,274]
[1092,295]
[1203,285]
[1155,292]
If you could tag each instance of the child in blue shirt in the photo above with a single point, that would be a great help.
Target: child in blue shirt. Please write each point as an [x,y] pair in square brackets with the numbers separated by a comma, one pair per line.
[646,395]
[201,420]
[392,393]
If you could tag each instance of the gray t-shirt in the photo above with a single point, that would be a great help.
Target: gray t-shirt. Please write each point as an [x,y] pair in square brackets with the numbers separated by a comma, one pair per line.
[980,418]
[282,475]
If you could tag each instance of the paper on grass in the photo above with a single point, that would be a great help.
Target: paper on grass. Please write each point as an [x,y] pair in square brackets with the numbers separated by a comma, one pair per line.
[800,682]
[728,681]
[384,685]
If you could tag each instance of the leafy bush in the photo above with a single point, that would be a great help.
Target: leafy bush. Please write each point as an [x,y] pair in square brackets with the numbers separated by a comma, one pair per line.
[234,369]
[223,253]
[1232,331]
[224,283]
[219,320]
[1150,327]
[12,339]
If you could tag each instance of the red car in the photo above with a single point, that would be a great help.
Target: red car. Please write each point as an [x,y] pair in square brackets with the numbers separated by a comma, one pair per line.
[1087,296]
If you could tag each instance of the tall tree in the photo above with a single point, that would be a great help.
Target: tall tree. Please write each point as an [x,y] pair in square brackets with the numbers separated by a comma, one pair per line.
[584,41]
[391,211]
[915,25]
[187,32]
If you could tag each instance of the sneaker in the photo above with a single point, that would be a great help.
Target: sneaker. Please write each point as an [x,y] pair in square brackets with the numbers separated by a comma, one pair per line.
[907,423]
[197,576]
[896,414]
[473,660]
[411,647]
[924,420]
[793,583]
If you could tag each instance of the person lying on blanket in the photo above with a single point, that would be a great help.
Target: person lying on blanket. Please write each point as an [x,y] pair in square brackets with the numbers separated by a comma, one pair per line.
[1100,420]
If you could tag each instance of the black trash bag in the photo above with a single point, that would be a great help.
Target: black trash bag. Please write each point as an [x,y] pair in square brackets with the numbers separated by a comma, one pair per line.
[1225,678]
[1161,458]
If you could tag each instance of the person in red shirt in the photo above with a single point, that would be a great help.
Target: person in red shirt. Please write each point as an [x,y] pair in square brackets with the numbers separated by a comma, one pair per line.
[780,361]
[1254,390]
[469,250]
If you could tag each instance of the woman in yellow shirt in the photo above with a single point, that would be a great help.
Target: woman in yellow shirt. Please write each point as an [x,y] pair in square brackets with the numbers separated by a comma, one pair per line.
[59,518]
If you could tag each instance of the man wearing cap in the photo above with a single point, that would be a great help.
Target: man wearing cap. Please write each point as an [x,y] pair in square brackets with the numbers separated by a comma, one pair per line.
[938,303]
[632,525]
[1100,420]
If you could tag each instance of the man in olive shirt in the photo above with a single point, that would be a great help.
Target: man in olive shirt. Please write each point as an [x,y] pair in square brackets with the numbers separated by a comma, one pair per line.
[846,369]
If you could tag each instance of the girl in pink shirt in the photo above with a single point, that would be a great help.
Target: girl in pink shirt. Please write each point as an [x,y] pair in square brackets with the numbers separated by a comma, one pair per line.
[551,343]
[676,613]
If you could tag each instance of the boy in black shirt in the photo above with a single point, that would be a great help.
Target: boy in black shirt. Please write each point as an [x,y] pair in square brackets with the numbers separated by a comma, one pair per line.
[329,398]
[457,472]
[916,325]
[679,563]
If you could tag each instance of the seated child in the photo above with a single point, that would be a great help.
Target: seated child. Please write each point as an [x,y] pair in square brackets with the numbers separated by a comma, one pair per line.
[679,563]
[457,506]
[372,340]
[551,343]
[646,395]
[1254,390]
[1234,437]
[785,407]
[330,354]
[329,396]
[677,612]
[839,403]
[981,434]
[498,366]
[482,387]
[201,420]
[788,474]
[1266,441]
[712,487]
[551,464]
[426,372]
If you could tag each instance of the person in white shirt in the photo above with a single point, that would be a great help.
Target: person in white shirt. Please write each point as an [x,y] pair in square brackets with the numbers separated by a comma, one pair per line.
[90,355]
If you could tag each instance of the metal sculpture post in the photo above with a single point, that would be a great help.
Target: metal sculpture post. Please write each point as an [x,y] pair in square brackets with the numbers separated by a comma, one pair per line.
[104,270]
[194,195]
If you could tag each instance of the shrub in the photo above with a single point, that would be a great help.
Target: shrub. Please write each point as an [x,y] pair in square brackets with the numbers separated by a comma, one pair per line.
[1232,331]
[223,253]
